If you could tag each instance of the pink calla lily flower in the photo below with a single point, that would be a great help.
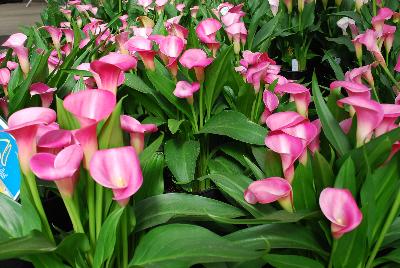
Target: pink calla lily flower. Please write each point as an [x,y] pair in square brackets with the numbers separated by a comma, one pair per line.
[124,21]
[281,120]
[397,67]
[274,5]
[121,40]
[178,31]
[345,23]
[314,144]
[353,89]
[16,43]
[5,76]
[69,35]
[288,147]
[378,21]
[233,15]
[299,93]
[108,76]
[55,34]
[237,33]
[390,114]
[370,40]
[180,7]
[160,5]
[44,91]
[369,115]
[119,170]
[267,190]
[346,124]
[144,47]
[60,168]
[207,31]
[185,90]
[146,4]
[171,47]
[136,131]
[23,126]
[123,61]
[271,102]
[84,105]
[388,36]
[11,65]
[193,11]
[54,140]
[339,206]
[197,59]
[356,75]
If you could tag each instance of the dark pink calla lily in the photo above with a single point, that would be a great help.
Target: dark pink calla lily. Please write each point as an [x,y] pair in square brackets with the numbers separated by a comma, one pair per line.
[233,15]
[370,40]
[281,120]
[4,79]
[207,31]
[44,91]
[16,43]
[54,140]
[369,116]
[193,11]
[378,21]
[299,93]
[108,76]
[390,114]
[237,33]
[346,124]
[84,105]
[123,61]
[121,40]
[353,89]
[136,131]
[271,102]
[124,21]
[55,34]
[60,168]
[185,90]
[356,75]
[144,47]
[339,206]
[267,190]
[288,147]
[197,59]
[178,31]
[23,126]
[388,36]
[314,144]
[69,35]
[117,169]
[171,47]
[11,65]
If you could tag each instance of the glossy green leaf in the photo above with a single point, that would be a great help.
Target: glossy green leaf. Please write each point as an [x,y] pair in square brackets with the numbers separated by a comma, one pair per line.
[173,125]
[256,170]
[269,161]
[291,261]
[73,245]
[181,159]
[236,126]
[266,30]
[11,222]
[277,236]
[107,238]
[34,243]
[330,126]
[150,150]
[111,135]
[304,196]
[346,178]
[153,179]
[160,209]
[187,244]
[64,118]
[135,82]
[323,174]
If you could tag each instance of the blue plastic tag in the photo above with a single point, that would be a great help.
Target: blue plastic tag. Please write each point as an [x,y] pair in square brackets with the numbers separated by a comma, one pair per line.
[10,174]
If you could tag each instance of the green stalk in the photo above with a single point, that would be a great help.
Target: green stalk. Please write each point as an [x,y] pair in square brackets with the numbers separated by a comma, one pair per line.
[389,220]
[99,208]
[375,93]
[73,213]
[391,77]
[91,210]
[334,246]
[124,238]
[31,180]
[195,123]
[374,7]
[201,108]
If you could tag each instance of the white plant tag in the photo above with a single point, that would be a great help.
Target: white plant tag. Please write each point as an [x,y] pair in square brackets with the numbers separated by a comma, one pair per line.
[295,65]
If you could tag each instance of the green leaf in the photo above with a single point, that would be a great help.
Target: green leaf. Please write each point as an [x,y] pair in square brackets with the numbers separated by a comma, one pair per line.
[111,135]
[266,30]
[346,177]
[150,150]
[234,186]
[304,196]
[34,243]
[335,66]
[160,209]
[11,222]
[291,261]
[48,260]
[73,245]
[173,125]
[135,82]
[153,179]
[187,245]
[269,161]
[64,118]
[253,167]
[181,159]
[323,174]
[277,236]
[108,235]
[237,126]
[330,126]
[216,75]
[279,216]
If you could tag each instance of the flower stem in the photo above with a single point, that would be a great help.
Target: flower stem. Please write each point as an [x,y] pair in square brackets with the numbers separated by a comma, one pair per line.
[374,7]
[334,245]
[195,123]
[99,208]
[91,210]
[201,108]
[73,213]
[31,180]
[389,220]
[124,238]
[391,77]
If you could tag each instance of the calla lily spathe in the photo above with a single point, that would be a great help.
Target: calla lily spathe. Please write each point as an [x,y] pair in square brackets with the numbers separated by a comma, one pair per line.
[197,59]
[16,43]
[267,190]
[117,169]
[136,131]
[339,206]
[44,91]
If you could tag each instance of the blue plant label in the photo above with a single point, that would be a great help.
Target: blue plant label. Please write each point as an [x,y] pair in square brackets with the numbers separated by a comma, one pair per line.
[10,174]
